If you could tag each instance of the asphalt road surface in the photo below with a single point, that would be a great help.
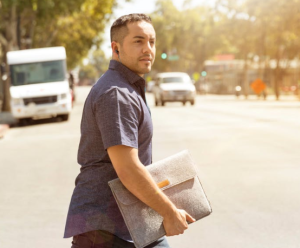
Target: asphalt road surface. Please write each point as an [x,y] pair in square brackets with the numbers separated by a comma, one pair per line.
[247,152]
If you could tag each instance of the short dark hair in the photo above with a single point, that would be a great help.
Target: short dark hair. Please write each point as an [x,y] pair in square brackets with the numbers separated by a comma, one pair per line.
[119,28]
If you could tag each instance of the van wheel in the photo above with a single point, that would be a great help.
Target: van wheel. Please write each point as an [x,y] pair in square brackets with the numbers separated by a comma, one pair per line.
[24,122]
[65,117]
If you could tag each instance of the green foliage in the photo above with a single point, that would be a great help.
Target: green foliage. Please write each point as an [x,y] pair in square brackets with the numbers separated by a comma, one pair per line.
[97,65]
[99,61]
[88,72]
[79,31]
[268,29]
[74,24]
[191,34]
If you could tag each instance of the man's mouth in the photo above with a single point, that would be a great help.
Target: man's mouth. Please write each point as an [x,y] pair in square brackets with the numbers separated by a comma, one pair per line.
[146,59]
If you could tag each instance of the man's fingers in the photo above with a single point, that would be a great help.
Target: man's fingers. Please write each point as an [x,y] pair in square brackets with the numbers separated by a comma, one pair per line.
[189,218]
[179,224]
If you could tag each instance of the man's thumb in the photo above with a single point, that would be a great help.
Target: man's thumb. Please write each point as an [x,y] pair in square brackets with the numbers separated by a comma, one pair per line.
[189,218]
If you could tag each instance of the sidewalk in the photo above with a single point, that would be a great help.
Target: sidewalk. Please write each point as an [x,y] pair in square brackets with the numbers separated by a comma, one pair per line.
[3,129]
[252,98]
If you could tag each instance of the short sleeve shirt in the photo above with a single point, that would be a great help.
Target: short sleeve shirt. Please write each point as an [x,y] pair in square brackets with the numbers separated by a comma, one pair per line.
[115,113]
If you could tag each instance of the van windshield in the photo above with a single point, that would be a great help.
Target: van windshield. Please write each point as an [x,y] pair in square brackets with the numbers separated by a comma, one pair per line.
[39,72]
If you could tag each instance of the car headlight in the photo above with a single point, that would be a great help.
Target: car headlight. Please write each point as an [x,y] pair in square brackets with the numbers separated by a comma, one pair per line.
[17,101]
[63,96]
[192,92]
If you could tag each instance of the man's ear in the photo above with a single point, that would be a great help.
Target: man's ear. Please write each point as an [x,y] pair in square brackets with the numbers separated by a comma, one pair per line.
[115,47]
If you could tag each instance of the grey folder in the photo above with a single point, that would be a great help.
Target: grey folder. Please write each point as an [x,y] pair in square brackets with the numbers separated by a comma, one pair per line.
[178,178]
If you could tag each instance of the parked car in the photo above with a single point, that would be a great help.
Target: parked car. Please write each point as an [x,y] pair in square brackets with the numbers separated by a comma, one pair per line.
[173,87]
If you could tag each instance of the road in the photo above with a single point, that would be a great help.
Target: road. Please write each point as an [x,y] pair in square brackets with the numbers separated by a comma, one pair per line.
[246,151]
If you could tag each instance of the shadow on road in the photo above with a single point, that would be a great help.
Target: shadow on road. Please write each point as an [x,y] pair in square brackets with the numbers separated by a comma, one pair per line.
[32,122]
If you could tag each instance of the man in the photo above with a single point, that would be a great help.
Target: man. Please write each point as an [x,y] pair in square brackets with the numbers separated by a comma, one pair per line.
[116,134]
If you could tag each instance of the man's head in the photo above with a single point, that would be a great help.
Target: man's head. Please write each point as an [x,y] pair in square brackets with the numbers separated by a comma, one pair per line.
[133,42]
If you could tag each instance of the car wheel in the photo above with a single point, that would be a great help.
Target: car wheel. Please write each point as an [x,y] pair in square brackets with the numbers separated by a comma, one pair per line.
[65,117]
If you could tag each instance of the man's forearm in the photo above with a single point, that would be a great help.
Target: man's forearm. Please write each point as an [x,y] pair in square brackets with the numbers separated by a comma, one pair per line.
[136,178]
[140,183]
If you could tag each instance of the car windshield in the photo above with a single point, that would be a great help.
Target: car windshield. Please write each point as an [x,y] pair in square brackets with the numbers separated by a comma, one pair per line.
[173,80]
[40,72]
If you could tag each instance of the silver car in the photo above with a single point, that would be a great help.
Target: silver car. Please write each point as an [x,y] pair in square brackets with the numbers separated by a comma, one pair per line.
[173,87]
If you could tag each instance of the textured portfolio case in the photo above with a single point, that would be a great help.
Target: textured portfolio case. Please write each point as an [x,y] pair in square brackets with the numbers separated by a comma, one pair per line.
[178,178]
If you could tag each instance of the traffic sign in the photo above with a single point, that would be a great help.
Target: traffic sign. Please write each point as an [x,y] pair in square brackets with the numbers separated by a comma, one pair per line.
[196,76]
[258,86]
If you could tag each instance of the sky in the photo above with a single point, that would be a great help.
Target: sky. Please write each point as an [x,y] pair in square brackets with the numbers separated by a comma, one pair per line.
[135,6]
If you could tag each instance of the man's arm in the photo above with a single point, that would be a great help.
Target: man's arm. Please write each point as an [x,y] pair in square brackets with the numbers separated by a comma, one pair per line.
[139,182]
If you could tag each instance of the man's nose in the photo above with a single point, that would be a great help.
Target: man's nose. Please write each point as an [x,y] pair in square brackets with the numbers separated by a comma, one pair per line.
[147,48]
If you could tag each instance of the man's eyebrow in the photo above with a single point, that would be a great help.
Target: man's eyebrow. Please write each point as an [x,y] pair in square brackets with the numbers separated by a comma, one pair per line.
[138,37]
[142,37]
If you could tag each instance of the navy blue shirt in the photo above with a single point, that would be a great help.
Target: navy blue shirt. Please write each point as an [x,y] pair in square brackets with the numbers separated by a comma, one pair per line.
[115,113]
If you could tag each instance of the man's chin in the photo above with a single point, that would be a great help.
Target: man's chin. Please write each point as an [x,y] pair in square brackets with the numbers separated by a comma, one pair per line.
[147,69]
[144,71]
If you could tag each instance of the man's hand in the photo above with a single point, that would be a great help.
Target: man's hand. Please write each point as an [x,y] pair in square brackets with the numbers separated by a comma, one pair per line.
[176,222]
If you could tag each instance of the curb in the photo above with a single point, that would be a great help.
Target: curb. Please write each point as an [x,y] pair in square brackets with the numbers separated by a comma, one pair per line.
[3,129]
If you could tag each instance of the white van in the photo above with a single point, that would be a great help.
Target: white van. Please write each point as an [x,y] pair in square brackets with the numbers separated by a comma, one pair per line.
[39,83]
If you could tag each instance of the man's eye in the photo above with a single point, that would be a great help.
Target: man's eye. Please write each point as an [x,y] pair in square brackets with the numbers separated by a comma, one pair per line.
[138,41]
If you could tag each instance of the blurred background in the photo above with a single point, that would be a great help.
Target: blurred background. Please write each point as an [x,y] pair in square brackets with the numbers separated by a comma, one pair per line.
[242,126]
[220,44]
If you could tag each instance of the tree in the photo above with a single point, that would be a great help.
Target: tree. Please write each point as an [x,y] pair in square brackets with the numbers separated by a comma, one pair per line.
[96,66]
[99,61]
[269,29]
[75,24]
[190,33]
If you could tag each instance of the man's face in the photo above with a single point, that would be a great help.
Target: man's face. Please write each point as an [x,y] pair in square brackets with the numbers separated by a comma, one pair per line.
[138,49]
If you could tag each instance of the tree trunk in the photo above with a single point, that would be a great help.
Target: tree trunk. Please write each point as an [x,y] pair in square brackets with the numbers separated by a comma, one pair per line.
[276,83]
[10,45]
[277,77]
[245,82]
[6,95]
[11,30]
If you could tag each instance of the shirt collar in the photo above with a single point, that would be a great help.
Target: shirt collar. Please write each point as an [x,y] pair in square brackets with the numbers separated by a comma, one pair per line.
[126,72]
